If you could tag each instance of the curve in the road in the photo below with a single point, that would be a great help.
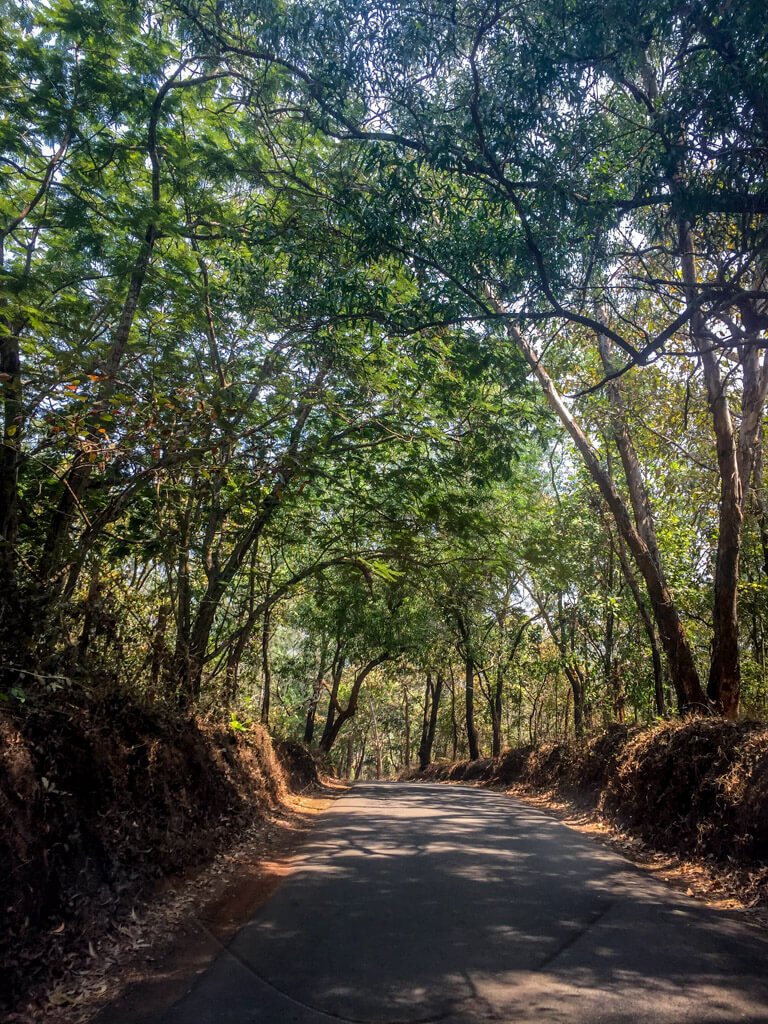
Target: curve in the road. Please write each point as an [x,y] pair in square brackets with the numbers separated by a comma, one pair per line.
[426,904]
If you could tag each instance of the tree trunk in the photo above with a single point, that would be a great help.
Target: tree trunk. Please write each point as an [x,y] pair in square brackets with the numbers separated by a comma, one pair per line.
[337,670]
[194,664]
[611,672]
[608,666]
[650,632]
[724,674]
[577,688]
[676,646]
[643,513]
[376,740]
[436,694]
[333,726]
[735,462]
[469,678]
[178,673]
[317,686]
[242,637]
[638,494]
[407,753]
[431,707]
[423,755]
[361,758]
[266,673]
[454,722]
[496,709]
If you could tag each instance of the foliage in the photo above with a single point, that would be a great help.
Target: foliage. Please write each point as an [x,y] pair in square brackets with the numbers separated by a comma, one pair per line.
[289,294]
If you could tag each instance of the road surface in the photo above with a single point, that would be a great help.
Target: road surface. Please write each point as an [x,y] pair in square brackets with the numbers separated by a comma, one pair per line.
[420,903]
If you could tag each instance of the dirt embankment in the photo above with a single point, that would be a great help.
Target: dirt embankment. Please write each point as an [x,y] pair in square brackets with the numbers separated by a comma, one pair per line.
[697,789]
[102,801]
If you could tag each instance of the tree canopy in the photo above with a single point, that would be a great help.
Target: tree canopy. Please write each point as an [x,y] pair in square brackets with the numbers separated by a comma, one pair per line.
[392,373]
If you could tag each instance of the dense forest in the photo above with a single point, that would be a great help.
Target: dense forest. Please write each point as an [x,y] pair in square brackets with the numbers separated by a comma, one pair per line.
[390,373]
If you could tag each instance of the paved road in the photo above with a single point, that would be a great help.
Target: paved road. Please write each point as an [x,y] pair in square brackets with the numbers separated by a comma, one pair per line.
[425,903]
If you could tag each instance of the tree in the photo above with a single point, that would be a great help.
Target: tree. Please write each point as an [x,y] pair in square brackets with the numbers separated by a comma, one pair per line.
[287,325]
[528,209]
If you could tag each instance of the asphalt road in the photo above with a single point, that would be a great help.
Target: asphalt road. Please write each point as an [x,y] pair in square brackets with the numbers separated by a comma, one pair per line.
[416,903]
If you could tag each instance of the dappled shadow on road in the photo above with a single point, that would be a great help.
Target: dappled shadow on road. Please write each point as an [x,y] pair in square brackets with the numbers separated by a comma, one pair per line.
[428,903]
